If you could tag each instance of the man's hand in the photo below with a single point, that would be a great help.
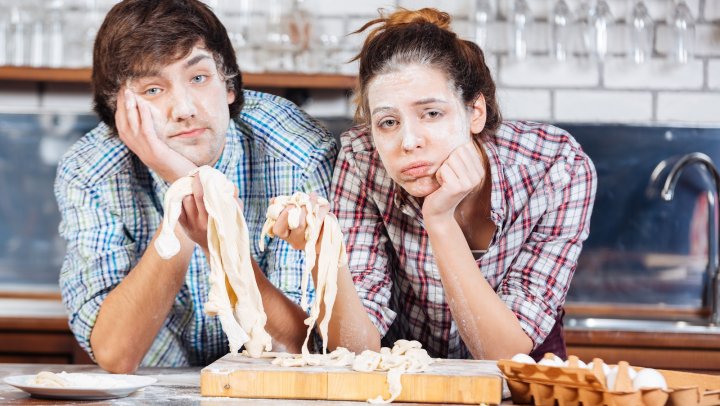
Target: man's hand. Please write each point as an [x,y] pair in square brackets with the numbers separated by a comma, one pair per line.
[296,237]
[461,173]
[194,216]
[136,123]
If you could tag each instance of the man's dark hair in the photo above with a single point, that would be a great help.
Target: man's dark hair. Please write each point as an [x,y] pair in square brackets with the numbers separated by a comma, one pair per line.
[142,36]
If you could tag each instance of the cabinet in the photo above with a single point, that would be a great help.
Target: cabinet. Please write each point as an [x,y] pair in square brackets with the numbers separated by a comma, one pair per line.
[36,331]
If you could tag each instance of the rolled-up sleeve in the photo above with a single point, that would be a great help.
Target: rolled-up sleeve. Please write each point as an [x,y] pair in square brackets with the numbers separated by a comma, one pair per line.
[538,279]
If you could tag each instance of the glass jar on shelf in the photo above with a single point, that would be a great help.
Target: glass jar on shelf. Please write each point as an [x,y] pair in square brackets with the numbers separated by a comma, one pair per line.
[482,16]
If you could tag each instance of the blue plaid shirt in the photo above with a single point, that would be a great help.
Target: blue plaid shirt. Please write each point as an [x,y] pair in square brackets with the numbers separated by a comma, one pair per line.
[111,206]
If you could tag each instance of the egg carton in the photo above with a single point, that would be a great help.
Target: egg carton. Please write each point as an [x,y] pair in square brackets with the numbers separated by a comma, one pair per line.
[546,385]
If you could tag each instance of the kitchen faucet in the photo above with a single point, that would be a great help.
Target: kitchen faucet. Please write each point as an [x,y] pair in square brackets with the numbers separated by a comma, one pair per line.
[668,191]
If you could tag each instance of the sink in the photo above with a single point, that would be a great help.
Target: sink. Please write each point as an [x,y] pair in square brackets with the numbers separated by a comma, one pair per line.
[660,326]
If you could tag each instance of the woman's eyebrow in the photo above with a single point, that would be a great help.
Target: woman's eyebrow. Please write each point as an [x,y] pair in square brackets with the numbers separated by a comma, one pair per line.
[429,100]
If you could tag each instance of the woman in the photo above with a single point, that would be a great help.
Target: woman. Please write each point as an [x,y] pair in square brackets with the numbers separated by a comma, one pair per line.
[462,231]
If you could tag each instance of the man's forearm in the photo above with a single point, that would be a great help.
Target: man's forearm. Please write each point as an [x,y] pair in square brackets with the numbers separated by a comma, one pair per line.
[133,313]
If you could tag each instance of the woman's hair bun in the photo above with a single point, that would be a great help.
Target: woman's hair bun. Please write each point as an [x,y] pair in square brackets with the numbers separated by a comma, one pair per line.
[424,15]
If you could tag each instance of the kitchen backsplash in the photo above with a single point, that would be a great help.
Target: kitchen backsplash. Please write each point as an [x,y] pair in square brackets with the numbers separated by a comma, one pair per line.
[536,88]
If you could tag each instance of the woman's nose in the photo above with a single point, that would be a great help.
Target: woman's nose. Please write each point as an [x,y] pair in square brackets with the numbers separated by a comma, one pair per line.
[411,138]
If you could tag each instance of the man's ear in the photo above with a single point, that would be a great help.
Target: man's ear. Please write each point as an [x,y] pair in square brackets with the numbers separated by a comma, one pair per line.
[230,97]
[478,115]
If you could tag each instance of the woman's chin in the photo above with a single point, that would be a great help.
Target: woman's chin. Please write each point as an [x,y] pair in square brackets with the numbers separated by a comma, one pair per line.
[421,188]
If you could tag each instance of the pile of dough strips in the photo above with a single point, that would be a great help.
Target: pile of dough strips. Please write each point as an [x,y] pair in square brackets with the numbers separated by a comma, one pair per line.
[234,296]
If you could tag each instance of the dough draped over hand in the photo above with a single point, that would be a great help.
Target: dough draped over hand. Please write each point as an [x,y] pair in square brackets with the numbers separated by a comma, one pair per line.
[234,296]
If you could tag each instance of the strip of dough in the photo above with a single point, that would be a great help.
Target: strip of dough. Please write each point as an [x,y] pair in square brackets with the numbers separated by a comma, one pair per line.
[234,296]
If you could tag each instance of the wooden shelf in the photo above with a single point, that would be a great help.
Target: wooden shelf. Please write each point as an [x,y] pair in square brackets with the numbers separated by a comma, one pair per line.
[251,80]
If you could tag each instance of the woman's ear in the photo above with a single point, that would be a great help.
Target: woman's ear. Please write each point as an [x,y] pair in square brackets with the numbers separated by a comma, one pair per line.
[478,115]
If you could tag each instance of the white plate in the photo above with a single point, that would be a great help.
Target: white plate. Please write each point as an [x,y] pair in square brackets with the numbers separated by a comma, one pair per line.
[134,382]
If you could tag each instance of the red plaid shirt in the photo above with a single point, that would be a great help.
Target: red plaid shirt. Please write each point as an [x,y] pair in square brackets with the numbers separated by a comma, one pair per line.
[543,188]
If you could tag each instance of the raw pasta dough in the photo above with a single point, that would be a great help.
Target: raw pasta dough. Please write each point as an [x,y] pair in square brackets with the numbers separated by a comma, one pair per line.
[332,256]
[234,296]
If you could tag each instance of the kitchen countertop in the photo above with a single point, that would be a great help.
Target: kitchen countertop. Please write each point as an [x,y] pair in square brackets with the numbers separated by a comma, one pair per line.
[176,386]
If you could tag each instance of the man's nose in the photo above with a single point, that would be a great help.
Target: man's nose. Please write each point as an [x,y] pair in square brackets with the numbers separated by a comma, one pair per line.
[182,105]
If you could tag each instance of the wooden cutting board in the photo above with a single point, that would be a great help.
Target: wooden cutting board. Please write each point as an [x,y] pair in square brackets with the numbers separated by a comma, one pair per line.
[445,381]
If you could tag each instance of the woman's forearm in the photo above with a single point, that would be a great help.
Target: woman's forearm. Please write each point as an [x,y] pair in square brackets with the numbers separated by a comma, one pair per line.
[487,326]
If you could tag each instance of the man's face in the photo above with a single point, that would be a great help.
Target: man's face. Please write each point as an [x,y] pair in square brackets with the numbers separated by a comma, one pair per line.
[189,104]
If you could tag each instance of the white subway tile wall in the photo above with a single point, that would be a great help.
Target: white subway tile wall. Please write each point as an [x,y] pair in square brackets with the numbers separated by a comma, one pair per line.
[587,106]
[537,88]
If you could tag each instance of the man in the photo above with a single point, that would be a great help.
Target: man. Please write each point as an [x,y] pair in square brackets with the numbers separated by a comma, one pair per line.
[169,93]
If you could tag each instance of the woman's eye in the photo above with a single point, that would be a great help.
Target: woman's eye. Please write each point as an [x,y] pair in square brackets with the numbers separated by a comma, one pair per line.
[387,123]
[153,91]
[199,78]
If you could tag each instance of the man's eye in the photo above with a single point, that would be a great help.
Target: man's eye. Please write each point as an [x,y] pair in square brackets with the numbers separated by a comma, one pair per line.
[433,114]
[153,91]
[199,78]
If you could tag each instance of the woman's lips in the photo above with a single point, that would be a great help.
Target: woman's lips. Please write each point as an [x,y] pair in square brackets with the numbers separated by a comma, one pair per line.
[416,169]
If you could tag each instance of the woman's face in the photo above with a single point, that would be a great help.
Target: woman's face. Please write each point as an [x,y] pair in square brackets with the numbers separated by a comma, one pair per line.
[417,120]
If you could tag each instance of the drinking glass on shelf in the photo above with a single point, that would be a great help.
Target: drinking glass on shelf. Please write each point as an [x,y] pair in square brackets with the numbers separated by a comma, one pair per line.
[560,30]
[682,26]
[520,22]
[3,40]
[54,40]
[37,36]
[482,14]
[641,33]
[597,22]
[278,47]
[18,36]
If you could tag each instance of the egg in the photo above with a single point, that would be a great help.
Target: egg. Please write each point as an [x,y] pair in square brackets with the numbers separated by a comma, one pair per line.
[523,358]
[551,360]
[581,364]
[605,367]
[631,371]
[649,378]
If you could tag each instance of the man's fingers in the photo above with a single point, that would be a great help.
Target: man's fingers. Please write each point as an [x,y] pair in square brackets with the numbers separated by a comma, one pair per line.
[131,108]
[146,122]
[199,197]
[281,228]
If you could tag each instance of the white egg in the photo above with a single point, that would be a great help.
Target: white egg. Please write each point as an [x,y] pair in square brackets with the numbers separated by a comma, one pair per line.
[631,371]
[523,358]
[649,378]
[581,364]
[605,368]
[555,361]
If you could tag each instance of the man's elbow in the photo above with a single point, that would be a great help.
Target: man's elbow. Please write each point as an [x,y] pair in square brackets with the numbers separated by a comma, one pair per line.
[115,361]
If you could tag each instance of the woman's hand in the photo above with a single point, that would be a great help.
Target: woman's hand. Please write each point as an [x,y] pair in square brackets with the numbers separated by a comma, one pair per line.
[135,120]
[461,173]
[296,237]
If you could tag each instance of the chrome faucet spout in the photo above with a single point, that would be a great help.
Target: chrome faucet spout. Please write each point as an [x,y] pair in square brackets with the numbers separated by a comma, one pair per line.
[667,193]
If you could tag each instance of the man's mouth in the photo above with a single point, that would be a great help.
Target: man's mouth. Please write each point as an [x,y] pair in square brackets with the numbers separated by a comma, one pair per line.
[189,133]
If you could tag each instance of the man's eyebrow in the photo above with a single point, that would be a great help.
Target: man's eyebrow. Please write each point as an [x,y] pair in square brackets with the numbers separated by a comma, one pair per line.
[195,59]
